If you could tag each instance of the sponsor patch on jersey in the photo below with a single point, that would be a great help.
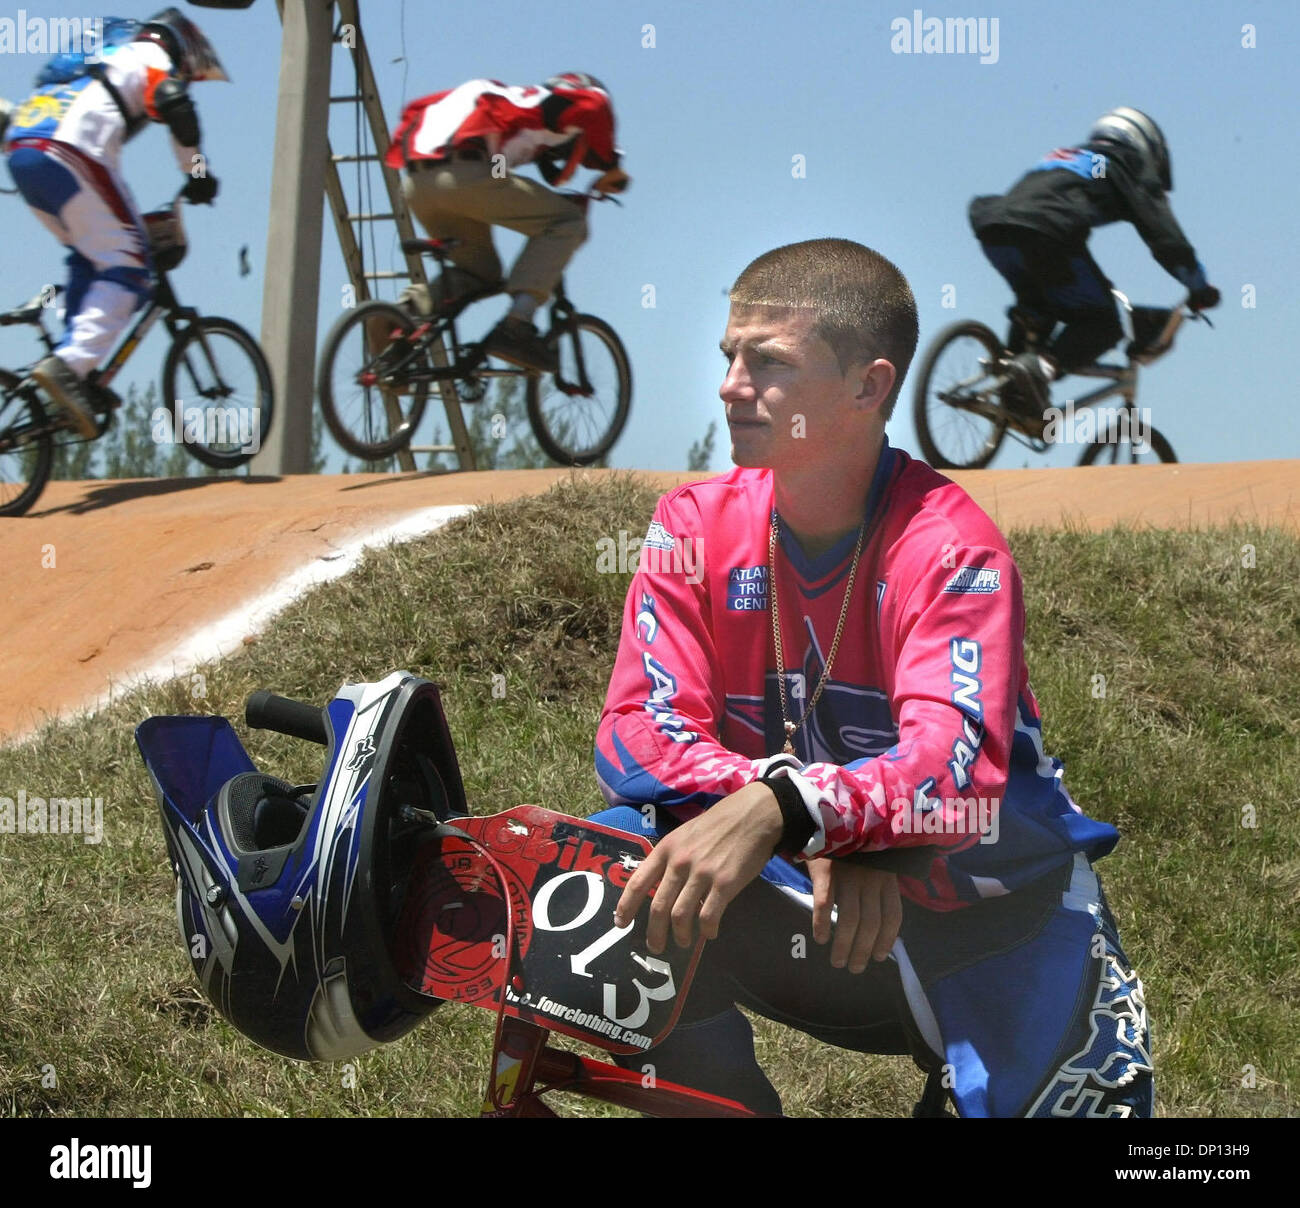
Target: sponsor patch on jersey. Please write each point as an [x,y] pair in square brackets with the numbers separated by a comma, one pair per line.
[658,537]
[747,589]
[1091,165]
[975,581]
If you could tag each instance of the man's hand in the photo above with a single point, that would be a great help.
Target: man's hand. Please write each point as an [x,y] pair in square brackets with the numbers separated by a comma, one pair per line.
[613,181]
[870,911]
[702,865]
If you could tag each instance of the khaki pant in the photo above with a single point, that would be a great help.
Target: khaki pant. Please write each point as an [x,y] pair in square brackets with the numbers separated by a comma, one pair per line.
[462,200]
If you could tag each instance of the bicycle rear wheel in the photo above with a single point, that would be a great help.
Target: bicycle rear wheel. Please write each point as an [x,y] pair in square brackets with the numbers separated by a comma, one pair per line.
[957,406]
[1120,446]
[366,395]
[217,387]
[578,414]
[26,447]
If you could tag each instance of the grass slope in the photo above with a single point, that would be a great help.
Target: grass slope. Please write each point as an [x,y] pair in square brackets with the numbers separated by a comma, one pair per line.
[1191,736]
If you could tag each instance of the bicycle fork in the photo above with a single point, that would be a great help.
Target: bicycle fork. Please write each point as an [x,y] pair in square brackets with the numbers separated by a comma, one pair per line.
[562,324]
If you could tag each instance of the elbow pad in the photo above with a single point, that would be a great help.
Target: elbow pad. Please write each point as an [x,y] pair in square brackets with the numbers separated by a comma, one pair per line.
[172,103]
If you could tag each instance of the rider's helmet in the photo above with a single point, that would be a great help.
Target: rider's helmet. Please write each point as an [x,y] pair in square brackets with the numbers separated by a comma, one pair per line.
[185,42]
[288,896]
[574,81]
[571,92]
[1133,128]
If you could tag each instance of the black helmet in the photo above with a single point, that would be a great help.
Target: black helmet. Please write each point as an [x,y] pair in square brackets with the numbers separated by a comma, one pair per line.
[287,895]
[186,43]
[1133,128]
[571,81]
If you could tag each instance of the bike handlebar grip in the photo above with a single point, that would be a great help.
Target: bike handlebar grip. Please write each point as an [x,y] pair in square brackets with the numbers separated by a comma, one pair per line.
[266,711]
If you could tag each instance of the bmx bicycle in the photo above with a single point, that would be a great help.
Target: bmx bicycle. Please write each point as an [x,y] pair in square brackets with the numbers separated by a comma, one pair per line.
[509,912]
[961,400]
[216,384]
[379,361]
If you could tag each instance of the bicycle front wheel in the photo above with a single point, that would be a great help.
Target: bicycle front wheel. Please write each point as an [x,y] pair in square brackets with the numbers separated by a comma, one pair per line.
[366,395]
[957,405]
[217,386]
[578,414]
[1120,446]
[26,447]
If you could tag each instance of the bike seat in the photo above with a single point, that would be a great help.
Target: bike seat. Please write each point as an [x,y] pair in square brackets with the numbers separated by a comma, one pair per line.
[428,247]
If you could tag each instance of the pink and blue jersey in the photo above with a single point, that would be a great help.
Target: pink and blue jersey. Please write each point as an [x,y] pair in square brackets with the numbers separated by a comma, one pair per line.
[926,732]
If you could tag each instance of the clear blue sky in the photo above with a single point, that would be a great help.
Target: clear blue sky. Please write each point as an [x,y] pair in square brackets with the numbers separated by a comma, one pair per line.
[895,145]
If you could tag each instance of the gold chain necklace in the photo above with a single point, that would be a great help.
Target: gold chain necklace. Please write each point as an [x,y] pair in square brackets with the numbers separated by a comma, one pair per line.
[791,727]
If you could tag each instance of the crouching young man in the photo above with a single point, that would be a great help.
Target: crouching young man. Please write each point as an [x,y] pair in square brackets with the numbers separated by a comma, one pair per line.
[829,729]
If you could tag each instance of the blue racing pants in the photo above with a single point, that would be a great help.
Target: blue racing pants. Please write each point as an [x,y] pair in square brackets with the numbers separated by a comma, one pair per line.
[1025,1004]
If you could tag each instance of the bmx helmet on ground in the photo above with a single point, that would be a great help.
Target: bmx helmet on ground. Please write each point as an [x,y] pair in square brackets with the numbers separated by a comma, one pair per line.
[287,897]
[186,43]
[1133,128]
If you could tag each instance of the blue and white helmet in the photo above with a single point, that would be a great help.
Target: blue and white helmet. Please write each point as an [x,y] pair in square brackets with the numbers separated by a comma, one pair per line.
[287,896]
[1133,128]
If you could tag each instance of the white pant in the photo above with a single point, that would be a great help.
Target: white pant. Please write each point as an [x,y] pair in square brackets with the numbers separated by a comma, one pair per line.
[101,223]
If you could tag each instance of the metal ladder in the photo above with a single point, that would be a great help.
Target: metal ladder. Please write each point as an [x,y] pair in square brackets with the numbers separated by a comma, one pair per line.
[346,223]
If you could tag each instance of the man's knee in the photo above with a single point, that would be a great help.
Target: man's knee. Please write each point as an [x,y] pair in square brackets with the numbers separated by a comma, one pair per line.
[569,226]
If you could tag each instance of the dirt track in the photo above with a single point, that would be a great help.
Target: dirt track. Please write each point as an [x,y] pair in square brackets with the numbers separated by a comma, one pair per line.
[105,581]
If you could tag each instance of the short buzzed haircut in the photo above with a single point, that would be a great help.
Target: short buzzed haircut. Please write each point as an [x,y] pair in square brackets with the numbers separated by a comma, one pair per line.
[865,308]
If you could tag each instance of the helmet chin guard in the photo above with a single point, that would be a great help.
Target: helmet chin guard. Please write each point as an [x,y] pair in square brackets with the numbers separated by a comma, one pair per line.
[287,895]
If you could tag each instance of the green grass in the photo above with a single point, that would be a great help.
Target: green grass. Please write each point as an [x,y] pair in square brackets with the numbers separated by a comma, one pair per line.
[1197,721]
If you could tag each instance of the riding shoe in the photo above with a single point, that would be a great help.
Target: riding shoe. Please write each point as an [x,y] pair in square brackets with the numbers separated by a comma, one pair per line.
[1032,391]
[65,391]
[517,341]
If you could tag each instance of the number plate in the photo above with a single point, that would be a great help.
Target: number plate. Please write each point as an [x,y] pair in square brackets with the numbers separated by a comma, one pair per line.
[572,970]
